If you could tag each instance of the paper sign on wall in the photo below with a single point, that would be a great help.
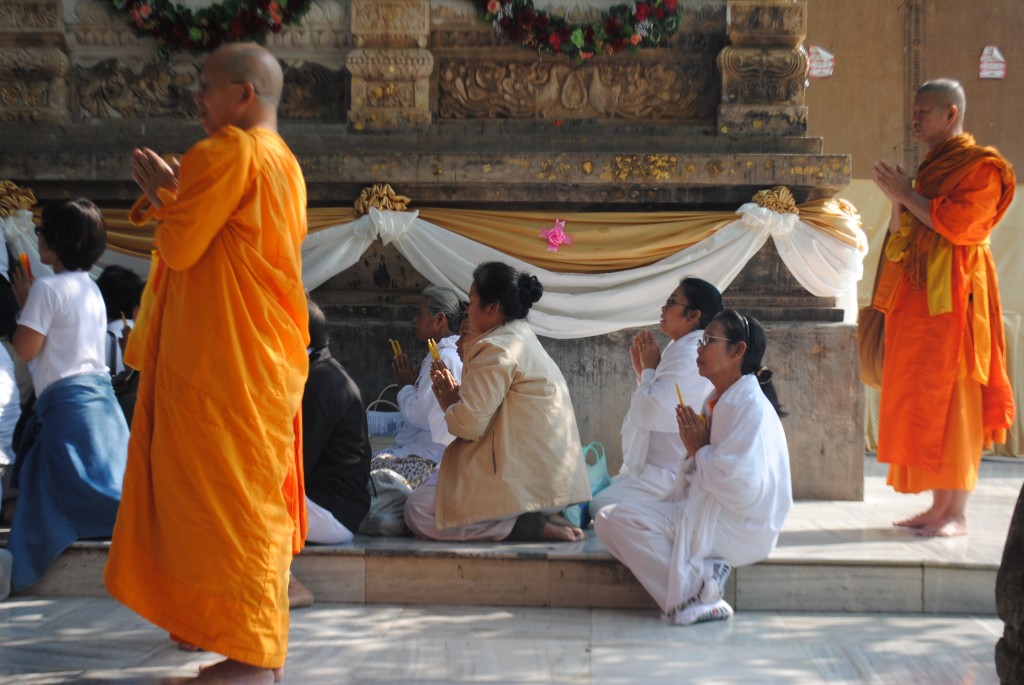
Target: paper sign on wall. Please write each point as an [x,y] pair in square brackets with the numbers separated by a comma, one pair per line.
[821,62]
[992,64]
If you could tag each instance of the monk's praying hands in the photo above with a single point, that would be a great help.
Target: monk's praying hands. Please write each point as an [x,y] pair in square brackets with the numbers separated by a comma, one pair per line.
[894,181]
[151,173]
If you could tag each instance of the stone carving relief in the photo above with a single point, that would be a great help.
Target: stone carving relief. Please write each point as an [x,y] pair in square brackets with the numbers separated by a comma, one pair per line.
[753,76]
[32,85]
[112,90]
[553,90]
[30,16]
[393,22]
[312,91]
[780,23]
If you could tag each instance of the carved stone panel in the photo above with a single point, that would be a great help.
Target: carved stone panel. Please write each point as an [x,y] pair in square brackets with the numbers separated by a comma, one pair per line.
[767,23]
[390,89]
[32,84]
[391,23]
[762,76]
[678,90]
[111,89]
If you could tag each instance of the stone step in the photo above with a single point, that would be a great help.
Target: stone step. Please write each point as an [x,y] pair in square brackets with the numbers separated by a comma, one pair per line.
[407,571]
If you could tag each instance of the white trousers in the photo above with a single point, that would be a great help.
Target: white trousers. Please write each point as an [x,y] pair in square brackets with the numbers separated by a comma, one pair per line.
[419,516]
[641,536]
[652,483]
[324,529]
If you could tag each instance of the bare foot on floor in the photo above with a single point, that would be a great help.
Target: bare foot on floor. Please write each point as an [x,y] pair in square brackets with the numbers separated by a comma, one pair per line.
[299,595]
[923,519]
[947,529]
[235,673]
[558,529]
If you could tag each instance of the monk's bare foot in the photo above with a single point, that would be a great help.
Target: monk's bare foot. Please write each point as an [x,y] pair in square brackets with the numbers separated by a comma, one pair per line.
[558,529]
[298,594]
[923,519]
[235,673]
[278,674]
[948,529]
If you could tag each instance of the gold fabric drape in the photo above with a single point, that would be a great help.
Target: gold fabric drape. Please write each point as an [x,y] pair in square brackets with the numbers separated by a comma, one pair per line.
[602,241]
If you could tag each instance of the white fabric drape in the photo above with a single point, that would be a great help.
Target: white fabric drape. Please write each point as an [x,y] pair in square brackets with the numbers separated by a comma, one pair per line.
[580,305]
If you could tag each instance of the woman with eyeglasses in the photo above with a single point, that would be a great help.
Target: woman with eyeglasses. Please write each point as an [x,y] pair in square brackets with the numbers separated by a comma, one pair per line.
[728,503]
[652,452]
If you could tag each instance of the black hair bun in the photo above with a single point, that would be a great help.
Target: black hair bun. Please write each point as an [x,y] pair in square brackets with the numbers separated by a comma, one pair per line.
[530,289]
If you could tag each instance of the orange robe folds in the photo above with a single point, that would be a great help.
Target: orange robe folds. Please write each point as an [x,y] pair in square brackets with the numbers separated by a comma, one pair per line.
[213,508]
[945,388]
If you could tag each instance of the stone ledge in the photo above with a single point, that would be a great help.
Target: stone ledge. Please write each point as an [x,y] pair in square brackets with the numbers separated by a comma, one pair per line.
[408,571]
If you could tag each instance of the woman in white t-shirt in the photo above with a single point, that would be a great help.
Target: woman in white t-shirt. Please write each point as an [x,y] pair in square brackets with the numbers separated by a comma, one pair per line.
[69,480]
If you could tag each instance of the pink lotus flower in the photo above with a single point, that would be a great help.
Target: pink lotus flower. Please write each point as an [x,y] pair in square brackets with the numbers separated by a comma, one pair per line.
[635,39]
[493,6]
[556,236]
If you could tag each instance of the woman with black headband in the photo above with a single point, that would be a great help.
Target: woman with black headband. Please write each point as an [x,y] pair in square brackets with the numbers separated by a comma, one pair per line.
[732,494]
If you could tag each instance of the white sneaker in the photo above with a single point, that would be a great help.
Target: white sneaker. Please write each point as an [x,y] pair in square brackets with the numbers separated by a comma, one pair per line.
[714,583]
[703,613]
[6,561]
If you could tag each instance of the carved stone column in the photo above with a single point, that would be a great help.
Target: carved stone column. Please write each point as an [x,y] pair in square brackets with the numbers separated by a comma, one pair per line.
[390,66]
[764,70]
[33,62]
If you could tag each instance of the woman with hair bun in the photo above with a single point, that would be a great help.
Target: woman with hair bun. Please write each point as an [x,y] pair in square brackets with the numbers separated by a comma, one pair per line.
[732,493]
[516,458]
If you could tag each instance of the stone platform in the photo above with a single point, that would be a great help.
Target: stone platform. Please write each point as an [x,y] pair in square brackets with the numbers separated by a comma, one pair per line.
[832,556]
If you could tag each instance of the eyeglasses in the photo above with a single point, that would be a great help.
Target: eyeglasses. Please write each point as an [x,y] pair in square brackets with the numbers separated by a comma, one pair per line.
[671,303]
[708,339]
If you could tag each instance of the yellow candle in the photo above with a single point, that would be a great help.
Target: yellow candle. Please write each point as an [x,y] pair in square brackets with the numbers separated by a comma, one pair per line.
[680,394]
[398,347]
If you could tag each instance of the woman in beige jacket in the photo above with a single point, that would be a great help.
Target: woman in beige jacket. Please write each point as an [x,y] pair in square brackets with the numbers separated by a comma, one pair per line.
[516,459]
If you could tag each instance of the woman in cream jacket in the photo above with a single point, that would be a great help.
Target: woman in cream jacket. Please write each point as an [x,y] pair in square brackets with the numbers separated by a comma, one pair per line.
[516,459]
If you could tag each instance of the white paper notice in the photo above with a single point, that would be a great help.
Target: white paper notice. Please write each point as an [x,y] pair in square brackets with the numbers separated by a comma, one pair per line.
[992,64]
[821,62]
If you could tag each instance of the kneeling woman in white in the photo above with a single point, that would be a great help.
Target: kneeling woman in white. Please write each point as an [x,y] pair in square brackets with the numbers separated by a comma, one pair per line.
[651,449]
[732,495]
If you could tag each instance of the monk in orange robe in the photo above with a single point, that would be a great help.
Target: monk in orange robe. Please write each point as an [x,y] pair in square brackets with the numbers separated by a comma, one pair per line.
[945,389]
[212,510]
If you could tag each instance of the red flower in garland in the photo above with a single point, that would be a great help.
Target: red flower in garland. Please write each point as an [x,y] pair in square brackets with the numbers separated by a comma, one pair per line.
[178,27]
[639,24]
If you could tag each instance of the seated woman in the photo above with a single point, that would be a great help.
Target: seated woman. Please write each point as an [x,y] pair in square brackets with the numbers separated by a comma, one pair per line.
[121,289]
[516,459]
[335,443]
[732,495]
[69,481]
[651,449]
[416,450]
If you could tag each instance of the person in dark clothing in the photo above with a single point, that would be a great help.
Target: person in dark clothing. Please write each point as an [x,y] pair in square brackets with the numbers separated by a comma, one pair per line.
[335,443]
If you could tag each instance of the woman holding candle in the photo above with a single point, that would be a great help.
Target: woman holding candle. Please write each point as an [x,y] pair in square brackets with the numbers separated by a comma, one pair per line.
[651,449]
[732,494]
[516,458]
[416,451]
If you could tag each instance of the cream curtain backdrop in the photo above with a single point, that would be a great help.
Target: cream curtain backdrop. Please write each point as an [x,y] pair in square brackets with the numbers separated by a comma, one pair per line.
[825,252]
[1007,248]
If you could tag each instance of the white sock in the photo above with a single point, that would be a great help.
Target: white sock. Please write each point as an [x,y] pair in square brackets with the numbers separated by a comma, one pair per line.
[716,575]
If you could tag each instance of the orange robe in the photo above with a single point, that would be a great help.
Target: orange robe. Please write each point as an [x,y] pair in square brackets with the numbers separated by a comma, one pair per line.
[213,508]
[945,388]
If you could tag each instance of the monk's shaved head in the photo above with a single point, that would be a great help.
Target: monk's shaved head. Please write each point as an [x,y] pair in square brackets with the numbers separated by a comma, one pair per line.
[945,92]
[252,63]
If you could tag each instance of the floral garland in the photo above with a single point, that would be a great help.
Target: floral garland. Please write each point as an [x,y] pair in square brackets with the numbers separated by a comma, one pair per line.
[634,25]
[180,28]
